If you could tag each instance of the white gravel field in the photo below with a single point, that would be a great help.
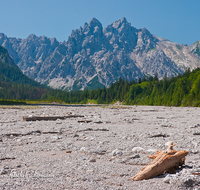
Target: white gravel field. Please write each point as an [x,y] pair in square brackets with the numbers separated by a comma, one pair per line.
[96,151]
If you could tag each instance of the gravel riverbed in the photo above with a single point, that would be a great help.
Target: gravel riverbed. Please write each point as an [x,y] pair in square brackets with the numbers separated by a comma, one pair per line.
[103,149]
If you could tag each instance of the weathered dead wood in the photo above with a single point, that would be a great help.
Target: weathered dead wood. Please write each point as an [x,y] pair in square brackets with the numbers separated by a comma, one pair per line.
[158,135]
[90,129]
[198,173]
[84,121]
[8,135]
[7,158]
[197,133]
[98,122]
[163,161]
[48,118]
[22,134]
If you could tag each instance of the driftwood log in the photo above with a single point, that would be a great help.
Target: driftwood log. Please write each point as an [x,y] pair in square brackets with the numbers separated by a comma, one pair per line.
[163,161]
[47,118]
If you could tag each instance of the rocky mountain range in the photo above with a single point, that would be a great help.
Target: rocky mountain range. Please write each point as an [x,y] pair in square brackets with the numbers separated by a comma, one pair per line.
[94,56]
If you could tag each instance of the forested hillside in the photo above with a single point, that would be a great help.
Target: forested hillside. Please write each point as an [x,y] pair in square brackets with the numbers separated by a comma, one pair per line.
[183,90]
[14,84]
[9,71]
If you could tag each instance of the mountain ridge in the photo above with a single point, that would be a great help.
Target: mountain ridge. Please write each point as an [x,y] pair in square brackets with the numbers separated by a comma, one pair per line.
[10,73]
[103,54]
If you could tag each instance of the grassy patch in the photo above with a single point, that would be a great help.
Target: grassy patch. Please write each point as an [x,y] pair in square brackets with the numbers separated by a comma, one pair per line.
[90,101]
[12,102]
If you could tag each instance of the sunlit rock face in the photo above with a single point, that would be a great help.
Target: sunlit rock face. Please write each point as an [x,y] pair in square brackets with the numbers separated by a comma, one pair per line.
[95,56]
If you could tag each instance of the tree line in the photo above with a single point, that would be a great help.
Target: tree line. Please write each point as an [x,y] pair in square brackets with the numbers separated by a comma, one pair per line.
[182,90]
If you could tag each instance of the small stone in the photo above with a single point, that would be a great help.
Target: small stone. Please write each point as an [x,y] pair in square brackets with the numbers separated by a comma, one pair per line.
[54,137]
[134,156]
[83,149]
[3,172]
[138,150]
[92,160]
[117,152]
[194,151]
[195,126]
[188,181]
[167,178]
[152,151]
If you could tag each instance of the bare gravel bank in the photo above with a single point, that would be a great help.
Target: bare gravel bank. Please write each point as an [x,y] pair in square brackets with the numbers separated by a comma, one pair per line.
[101,150]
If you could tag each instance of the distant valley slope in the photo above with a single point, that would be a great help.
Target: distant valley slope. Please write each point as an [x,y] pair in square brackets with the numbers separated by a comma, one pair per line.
[10,73]
[94,56]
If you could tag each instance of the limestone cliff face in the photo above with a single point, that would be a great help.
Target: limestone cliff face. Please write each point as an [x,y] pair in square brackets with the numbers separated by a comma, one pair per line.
[100,55]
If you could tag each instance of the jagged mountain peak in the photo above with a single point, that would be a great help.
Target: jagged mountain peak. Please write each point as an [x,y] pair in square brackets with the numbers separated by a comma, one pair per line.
[121,35]
[94,22]
[120,24]
[32,37]
[94,27]
[93,55]
[2,35]
[120,27]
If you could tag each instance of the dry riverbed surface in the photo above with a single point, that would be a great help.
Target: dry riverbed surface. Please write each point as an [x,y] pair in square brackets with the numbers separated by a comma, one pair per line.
[102,150]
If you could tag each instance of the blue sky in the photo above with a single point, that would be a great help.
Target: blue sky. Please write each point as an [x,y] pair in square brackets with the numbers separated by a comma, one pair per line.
[175,20]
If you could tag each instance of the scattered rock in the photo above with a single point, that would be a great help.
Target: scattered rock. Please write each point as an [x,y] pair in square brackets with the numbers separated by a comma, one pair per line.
[160,118]
[138,150]
[92,160]
[76,135]
[195,126]
[152,151]
[3,171]
[56,137]
[134,156]
[111,152]
[83,149]
[194,151]
[167,178]
[117,152]
[184,178]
